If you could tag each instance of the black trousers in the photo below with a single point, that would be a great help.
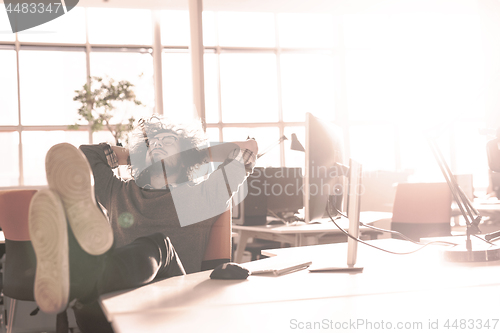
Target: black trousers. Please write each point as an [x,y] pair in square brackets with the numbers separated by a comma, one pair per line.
[145,260]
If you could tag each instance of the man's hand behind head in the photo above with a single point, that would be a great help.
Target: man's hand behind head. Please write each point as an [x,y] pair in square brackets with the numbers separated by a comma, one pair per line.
[250,144]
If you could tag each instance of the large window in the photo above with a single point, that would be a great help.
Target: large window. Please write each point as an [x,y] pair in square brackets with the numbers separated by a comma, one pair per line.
[8,87]
[41,69]
[415,72]
[263,72]
[389,75]
[43,104]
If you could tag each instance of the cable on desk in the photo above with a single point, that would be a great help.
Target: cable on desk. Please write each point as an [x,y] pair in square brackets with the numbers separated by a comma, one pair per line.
[495,239]
[379,248]
[411,240]
[397,233]
[485,240]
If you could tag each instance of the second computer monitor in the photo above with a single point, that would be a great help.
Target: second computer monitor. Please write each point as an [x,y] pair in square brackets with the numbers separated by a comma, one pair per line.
[324,168]
[281,187]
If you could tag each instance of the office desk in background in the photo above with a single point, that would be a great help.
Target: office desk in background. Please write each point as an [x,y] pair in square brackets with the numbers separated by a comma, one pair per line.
[302,234]
[416,288]
[487,208]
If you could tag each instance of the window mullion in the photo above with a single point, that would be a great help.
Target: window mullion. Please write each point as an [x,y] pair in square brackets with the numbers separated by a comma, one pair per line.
[88,49]
[157,62]
[280,101]
[219,86]
[19,127]
[197,53]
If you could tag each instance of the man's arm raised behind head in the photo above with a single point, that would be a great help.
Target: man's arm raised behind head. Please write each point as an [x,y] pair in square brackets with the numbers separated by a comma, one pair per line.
[122,154]
[220,152]
[214,195]
[217,153]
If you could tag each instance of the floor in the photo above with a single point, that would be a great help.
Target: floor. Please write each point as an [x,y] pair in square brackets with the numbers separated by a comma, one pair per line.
[24,322]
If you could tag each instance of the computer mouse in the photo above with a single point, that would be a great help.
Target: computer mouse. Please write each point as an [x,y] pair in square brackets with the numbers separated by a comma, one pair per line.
[230,271]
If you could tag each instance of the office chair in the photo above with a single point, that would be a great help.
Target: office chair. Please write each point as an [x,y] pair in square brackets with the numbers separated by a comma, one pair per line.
[380,189]
[219,243]
[19,269]
[422,210]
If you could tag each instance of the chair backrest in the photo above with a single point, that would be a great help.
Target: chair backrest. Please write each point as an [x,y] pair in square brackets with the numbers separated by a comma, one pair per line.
[20,265]
[380,189]
[422,209]
[14,208]
[20,260]
[219,243]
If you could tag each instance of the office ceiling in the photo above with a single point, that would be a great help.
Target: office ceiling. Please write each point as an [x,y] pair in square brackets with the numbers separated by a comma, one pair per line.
[283,6]
[313,6]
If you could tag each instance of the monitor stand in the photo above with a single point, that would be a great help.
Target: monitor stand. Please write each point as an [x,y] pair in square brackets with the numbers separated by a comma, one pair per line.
[479,252]
[353,207]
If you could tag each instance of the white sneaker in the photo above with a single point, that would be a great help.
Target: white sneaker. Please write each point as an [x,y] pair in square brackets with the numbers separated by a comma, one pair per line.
[49,236]
[69,174]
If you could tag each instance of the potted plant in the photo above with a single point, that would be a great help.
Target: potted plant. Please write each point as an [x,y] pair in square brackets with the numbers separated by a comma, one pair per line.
[98,104]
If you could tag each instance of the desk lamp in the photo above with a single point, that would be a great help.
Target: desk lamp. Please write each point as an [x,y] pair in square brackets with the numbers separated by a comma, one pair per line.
[280,140]
[482,251]
[295,144]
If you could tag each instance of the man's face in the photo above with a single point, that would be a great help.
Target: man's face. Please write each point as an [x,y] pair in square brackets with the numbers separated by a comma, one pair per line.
[162,146]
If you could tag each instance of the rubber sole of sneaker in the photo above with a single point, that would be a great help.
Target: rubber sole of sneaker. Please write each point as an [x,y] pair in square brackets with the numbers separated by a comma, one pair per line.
[69,174]
[49,236]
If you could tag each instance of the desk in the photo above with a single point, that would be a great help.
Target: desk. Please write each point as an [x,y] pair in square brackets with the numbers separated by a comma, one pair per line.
[302,234]
[488,209]
[484,207]
[412,289]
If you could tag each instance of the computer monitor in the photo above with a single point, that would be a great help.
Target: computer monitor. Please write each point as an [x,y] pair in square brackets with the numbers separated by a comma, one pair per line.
[324,179]
[273,192]
[353,209]
[324,168]
[353,194]
[283,190]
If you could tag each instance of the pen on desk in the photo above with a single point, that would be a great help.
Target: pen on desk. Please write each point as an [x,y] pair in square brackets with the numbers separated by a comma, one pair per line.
[492,235]
[292,269]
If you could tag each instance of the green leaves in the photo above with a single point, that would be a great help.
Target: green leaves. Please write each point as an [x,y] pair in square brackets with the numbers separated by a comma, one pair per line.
[98,104]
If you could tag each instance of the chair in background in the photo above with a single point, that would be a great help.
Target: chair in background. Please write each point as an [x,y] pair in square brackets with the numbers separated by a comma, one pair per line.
[19,269]
[379,189]
[422,210]
[219,246]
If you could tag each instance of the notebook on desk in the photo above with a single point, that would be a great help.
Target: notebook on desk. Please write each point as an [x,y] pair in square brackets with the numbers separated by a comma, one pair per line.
[276,266]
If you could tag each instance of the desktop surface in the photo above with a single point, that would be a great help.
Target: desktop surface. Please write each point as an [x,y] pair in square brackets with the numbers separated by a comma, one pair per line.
[298,234]
[417,287]
[323,223]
